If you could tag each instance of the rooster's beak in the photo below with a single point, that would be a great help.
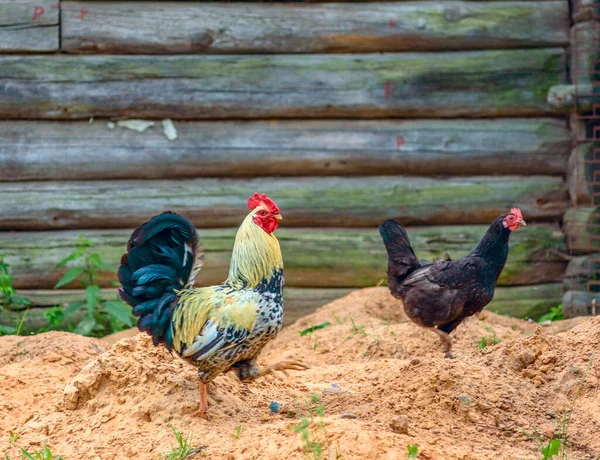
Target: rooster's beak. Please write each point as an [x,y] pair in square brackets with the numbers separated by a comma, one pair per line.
[522,222]
[278,217]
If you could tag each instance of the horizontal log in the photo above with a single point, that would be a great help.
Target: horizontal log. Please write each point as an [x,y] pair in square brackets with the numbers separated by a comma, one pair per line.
[313,258]
[582,273]
[298,302]
[450,84]
[168,28]
[585,52]
[70,150]
[580,177]
[34,320]
[521,302]
[582,226]
[526,301]
[330,201]
[28,26]
[580,303]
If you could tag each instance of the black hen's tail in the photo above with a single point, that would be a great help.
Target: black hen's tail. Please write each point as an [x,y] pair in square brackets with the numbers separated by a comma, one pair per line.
[401,257]
[162,256]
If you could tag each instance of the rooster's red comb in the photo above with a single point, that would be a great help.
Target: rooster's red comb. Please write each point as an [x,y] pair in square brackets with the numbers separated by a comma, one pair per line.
[517,212]
[255,201]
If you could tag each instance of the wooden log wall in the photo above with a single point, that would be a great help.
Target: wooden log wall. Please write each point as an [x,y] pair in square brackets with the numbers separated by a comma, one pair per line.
[582,221]
[438,114]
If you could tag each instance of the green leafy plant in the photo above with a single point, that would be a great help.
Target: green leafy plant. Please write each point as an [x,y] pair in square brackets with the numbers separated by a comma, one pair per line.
[413,451]
[555,314]
[339,320]
[11,301]
[548,450]
[183,449]
[55,317]
[102,316]
[356,330]
[312,440]
[238,432]
[14,436]
[311,445]
[314,328]
[488,340]
[45,454]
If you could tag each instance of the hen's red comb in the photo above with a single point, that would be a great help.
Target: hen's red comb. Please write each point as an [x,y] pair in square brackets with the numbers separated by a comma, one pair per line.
[517,212]
[255,201]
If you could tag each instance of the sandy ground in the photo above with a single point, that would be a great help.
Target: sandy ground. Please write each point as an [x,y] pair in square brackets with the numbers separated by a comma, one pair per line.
[382,383]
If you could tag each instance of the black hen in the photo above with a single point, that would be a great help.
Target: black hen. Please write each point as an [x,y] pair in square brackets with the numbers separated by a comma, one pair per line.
[440,295]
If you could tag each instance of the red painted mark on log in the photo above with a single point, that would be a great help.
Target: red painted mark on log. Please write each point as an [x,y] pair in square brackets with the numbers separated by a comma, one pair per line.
[392,23]
[38,11]
[83,12]
[389,88]
[400,141]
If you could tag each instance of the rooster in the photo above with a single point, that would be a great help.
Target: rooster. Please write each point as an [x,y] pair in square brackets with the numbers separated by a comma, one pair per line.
[217,328]
[439,295]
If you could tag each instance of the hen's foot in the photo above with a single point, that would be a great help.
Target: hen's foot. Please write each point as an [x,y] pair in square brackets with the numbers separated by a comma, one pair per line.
[448,355]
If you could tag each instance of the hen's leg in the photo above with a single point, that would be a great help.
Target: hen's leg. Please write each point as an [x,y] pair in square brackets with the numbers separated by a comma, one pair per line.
[201,412]
[248,371]
[446,342]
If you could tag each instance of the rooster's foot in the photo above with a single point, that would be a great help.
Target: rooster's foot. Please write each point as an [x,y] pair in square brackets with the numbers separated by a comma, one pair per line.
[202,414]
[284,366]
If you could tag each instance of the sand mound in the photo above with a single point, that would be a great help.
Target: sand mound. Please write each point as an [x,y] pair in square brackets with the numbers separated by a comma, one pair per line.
[381,380]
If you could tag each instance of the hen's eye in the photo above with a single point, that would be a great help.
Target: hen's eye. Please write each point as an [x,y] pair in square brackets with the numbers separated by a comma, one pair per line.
[262,213]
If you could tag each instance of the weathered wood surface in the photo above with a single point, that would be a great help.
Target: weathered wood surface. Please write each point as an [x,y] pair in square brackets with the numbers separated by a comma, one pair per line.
[582,226]
[331,201]
[71,151]
[582,273]
[313,257]
[585,10]
[451,84]
[168,28]
[519,301]
[585,51]
[526,301]
[580,303]
[298,302]
[581,172]
[28,26]
[571,98]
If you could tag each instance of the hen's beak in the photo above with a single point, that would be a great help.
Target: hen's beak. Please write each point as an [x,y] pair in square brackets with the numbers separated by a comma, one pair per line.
[278,217]
[522,222]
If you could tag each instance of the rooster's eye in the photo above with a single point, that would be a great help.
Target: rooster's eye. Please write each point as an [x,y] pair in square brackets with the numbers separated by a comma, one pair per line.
[262,213]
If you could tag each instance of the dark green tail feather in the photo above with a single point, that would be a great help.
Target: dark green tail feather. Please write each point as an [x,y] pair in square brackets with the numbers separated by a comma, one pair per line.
[160,258]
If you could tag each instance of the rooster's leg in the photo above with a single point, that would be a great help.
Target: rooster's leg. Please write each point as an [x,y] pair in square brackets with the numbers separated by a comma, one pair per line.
[446,342]
[247,370]
[201,412]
